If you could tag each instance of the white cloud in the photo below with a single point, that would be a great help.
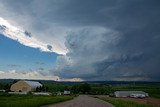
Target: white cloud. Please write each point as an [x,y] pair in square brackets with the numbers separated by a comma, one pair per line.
[87,47]
[72,79]
[22,36]
[30,17]
[12,74]
[1,72]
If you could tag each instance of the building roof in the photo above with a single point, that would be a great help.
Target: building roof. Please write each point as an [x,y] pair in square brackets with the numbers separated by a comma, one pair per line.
[129,92]
[33,84]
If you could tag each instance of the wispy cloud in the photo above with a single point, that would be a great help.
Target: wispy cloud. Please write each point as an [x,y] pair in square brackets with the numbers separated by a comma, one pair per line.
[13,74]
[28,75]
[39,63]
[13,65]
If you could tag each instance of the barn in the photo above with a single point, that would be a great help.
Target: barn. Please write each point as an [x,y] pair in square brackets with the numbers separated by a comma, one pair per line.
[25,86]
[134,94]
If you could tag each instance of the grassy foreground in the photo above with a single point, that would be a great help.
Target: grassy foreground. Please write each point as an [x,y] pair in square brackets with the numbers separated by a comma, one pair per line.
[124,103]
[7,100]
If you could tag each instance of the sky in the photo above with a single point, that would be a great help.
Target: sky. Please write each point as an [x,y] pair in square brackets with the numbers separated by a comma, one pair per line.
[80,40]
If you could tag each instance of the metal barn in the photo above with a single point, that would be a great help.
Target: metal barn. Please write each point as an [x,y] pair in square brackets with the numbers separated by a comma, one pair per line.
[130,94]
[25,86]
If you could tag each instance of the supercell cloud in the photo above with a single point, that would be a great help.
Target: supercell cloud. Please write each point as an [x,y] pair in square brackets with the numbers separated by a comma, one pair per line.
[97,40]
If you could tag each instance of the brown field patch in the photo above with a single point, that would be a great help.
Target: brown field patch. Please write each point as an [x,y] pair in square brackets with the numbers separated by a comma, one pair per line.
[149,100]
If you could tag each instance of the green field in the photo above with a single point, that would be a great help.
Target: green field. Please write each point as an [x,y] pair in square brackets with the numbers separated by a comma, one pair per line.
[8,100]
[124,103]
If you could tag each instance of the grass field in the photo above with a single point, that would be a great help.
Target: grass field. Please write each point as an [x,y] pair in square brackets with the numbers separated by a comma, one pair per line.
[125,103]
[7,100]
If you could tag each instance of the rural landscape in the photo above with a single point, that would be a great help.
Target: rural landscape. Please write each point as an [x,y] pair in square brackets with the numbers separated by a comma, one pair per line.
[103,90]
[79,53]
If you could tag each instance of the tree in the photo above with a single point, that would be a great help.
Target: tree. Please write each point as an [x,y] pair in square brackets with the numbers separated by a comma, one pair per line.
[38,89]
[75,89]
[7,87]
[81,88]
[47,88]
[42,89]
[14,81]
[85,88]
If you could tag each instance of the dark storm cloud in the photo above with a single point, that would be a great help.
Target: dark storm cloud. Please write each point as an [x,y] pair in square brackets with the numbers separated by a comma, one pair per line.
[2,27]
[130,54]
[28,34]
[49,47]
[106,40]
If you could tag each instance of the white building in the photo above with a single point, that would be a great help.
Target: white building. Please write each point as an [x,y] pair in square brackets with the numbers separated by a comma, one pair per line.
[135,94]
[25,86]
[67,93]
[59,93]
[41,93]
[2,90]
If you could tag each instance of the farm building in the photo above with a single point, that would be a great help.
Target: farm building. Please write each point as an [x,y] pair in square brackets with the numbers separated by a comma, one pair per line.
[66,92]
[25,86]
[2,90]
[135,94]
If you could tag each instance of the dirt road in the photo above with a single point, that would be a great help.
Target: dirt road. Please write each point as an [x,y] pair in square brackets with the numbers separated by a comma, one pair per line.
[82,101]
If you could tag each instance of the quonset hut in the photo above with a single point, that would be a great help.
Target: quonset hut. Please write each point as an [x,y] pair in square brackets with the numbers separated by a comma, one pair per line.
[25,86]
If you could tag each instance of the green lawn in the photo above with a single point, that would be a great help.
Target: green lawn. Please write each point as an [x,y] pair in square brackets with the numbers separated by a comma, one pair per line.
[124,103]
[7,100]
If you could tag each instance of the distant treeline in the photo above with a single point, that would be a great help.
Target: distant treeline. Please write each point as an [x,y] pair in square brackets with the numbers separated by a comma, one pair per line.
[101,87]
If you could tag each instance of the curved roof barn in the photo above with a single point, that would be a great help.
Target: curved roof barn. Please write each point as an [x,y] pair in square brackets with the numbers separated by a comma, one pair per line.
[25,86]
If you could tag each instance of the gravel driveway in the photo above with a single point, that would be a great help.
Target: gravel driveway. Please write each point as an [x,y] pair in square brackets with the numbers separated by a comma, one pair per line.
[82,101]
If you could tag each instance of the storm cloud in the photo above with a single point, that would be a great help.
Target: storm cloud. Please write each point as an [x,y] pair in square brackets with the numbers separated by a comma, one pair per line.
[97,40]
[125,47]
